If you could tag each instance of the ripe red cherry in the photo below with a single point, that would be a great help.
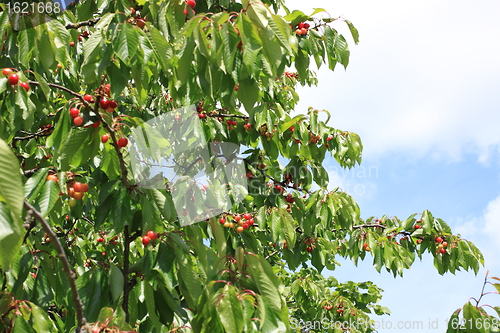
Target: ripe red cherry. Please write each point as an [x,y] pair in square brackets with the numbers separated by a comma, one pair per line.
[301,25]
[247,216]
[25,85]
[442,250]
[88,98]
[52,177]
[96,124]
[237,218]
[71,44]
[85,187]
[6,71]
[417,226]
[152,235]
[104,103]
[309,249]
[13,79]
[307,25]
[104,138]
[445,244]
[141,23]
[100,240]
[191,3]
[78,187]
[74,112]
[304,31]
[78,121]
[145,240]
[122,142]
[185,11]
[222,220]
[438,239]
[112,104]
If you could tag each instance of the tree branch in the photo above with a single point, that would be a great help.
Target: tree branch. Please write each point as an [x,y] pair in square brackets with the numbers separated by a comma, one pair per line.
[82,322]
[88,23]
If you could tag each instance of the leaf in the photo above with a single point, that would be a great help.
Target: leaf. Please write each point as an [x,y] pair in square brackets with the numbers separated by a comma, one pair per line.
[49,196]
[267,282]
[41,321]
[248,93]
[354,31]
[127,43]
[230,310]
[259,14]
[11,237]
[116,282]
[11,189]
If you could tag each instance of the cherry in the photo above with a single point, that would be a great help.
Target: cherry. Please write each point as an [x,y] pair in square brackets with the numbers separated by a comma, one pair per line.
[112,104]
[298,32]
[104,103]
[301,25]
[152,235]
[25,85]
[247,126]
[145,240]
[250,222]
[202,115]
[304,31]
[105,138]
[122,142]
[13,79]
[442,250]
[445,244]
[185,11]
[74,112]
[71,44]
[78,195]
[239,229]
[100,240]
[191,3]
[96,124]
[88,98]
[78,121]
[78,187]
[222,220]
[438,239]
[417,226]
[419,241]
[52,177]
[6,71]
[141,23]
[237,218]
[85,187]
[309,249]
[245,225]
[307,25]
[292,129]
[247,216]
[71,192]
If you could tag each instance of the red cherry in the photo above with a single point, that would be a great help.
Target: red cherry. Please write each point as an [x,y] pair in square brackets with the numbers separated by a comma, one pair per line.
[104,103]
[237,218]
[202,115]
[417,226]
[222,220]
[6,71]
[107,88]
[250,222]
[104,138]
[74,112]
[52,177]
[71,44]
[191,3]
[309,249]
[13,79]
[25,85]
[445,244]
[96,124]
[88,98]
[85,187]
[122,142]
[304,31]
[245,225]
[438,239]
[141,23]
[247,216]
[71,192]
[100,240]
[152,235]
[112,104]
[145,240]
[78,121]
[185,11]
[78,187]
[298,32]
[442,250]
[307,25]
[78,195]
[301,25]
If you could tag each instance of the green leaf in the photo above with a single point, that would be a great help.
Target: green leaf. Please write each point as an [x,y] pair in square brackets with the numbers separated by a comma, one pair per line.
[116,282]
[266,280]
[126,45]
[230,310]
[11,237]
[354,31]
[248,93]
[11,189]
[49,196]
[41,321]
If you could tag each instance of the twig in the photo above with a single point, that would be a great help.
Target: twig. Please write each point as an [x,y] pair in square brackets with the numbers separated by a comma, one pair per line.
[82,322]
[126,263]
[88,23]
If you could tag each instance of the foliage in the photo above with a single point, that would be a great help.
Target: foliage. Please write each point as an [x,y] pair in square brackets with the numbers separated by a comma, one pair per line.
[238,64]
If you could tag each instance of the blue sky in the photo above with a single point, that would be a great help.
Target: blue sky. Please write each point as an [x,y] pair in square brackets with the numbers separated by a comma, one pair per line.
[422,91]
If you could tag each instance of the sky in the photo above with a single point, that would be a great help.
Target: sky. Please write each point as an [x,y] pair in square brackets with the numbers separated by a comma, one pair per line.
[422,91]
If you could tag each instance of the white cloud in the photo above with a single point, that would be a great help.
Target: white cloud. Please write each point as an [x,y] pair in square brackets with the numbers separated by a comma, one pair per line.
[492,219]
[423,80]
